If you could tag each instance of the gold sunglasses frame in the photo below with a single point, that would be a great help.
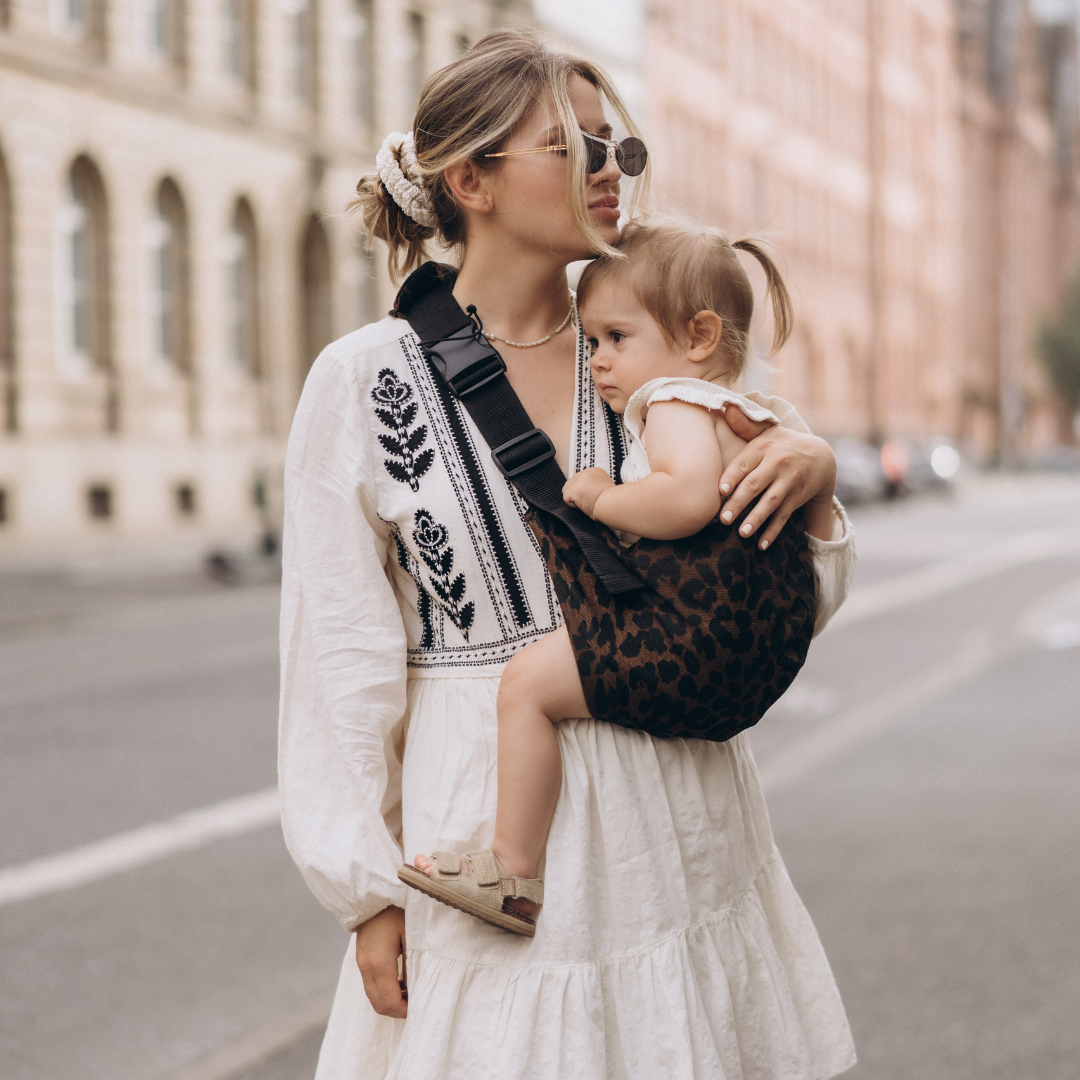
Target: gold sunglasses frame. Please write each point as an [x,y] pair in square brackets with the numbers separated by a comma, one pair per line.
[610,145]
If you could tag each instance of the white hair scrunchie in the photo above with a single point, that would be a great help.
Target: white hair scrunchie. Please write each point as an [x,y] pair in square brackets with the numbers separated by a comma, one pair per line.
[403,180]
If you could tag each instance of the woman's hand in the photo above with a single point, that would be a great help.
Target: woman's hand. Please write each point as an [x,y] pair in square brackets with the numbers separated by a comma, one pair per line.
[585,487]
[379,943]
[783,470]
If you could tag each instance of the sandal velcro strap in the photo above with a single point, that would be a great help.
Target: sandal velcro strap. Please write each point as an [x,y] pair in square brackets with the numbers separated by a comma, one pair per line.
[447,863]
[523,888]
[485,871]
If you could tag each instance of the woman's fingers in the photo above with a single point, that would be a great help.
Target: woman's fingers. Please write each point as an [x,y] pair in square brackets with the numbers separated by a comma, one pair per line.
[743,426]
[782,469]
[389,999]
[779,520]
[375,973]
[740,466]
[765,507]
[742,482]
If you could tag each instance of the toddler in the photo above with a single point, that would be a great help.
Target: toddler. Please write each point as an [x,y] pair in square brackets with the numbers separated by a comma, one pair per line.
[668,328]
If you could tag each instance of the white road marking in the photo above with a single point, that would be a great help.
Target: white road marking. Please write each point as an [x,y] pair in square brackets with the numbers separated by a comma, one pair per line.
[857,724]
[835,737]
[908,589]
[261,1044]
[1061,635]
[235,817]
[147,844]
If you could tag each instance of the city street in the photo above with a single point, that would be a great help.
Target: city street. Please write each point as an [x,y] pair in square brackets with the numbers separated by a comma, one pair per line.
[923,775]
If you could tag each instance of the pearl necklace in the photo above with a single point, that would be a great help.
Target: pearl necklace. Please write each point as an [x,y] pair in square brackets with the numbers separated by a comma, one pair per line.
[530,344]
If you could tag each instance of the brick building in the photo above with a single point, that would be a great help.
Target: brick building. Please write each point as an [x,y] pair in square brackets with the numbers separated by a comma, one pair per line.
[172,251]
[1020,217]
[860,136]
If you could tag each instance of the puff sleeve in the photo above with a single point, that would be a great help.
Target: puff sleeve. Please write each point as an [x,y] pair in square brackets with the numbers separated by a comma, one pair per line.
[834,559]
[343,652]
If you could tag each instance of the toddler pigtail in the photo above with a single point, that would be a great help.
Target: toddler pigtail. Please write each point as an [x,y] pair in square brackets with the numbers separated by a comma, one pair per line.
[783,315]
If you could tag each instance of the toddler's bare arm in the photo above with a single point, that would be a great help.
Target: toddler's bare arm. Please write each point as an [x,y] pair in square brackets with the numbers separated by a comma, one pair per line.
[730,443]
[680,496]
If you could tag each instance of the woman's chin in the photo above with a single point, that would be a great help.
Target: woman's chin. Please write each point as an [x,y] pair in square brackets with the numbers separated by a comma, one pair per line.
[607,227]
[577,249]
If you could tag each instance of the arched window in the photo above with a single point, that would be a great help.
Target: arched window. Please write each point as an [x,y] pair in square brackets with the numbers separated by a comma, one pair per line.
[9,404]
[83,278]
[240,41]
[83,311]
[80,22]
[242,253]
[170,279]
[71,18]
[163,30]
[303,17]
[417,55]
[360,30]
[317,319]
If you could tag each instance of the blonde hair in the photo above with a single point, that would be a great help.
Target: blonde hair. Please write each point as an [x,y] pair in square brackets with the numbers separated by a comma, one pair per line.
[470,108]
[678,268]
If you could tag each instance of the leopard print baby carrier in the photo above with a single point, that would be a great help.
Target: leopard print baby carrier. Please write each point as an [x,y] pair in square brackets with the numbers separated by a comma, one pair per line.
[693,638]
[716,636]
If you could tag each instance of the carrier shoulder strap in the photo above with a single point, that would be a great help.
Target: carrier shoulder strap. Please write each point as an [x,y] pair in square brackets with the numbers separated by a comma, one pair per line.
[475,374]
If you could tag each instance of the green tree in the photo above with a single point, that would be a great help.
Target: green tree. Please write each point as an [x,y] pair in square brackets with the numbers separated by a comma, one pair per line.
[1058,343]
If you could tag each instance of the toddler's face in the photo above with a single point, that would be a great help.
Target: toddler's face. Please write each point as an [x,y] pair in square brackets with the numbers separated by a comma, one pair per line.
[628,347]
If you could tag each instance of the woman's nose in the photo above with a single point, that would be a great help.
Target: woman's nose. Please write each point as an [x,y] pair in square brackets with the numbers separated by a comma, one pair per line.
[610,173]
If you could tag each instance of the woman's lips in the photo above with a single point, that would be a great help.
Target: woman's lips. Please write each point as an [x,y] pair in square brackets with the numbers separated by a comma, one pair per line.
[607,208]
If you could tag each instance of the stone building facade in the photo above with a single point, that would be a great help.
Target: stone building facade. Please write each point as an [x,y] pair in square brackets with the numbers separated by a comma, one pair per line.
[1020,218]
[172,247]
[857,135]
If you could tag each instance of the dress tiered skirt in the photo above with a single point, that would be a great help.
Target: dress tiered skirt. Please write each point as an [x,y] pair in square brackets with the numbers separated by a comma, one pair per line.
[671,945]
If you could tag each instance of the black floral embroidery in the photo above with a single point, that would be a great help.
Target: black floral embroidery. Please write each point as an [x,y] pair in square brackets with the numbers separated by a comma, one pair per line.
[398,416]
[424,603]
[433,540]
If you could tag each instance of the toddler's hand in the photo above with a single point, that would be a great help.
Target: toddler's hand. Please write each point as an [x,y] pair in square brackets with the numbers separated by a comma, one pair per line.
[584,488]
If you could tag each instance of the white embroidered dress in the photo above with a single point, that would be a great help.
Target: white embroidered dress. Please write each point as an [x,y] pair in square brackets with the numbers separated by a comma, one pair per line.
[671,944]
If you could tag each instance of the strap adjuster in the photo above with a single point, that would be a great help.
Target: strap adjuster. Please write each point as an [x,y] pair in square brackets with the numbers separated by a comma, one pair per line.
[479,374]
[541,449]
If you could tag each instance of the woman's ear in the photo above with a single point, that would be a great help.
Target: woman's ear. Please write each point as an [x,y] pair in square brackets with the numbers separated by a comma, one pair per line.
[704,330]
[468,185]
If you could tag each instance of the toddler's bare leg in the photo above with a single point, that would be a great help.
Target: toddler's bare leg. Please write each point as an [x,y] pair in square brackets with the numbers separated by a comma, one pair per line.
[539,687]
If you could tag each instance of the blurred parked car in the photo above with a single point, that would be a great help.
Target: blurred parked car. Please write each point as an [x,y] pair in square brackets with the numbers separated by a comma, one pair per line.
[912,465]
[1055,459]
[901,467]
[859,474]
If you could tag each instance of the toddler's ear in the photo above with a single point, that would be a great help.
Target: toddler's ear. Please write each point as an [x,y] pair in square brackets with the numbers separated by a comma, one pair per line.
[704,329]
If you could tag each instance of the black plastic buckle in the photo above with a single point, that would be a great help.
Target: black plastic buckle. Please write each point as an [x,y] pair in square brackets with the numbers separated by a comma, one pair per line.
[453,357]
[546,452]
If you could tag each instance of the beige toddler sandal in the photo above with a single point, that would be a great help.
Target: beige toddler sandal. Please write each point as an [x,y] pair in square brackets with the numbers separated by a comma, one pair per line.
[479,890]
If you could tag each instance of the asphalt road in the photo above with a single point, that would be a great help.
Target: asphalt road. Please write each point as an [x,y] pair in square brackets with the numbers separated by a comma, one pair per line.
[923,777]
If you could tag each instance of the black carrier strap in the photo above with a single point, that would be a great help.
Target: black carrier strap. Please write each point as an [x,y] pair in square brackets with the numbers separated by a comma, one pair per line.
[476,375]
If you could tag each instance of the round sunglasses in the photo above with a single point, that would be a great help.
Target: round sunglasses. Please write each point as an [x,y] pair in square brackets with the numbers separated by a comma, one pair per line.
[630,154]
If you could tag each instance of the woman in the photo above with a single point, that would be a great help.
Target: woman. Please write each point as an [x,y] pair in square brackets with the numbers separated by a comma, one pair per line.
[674,944]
